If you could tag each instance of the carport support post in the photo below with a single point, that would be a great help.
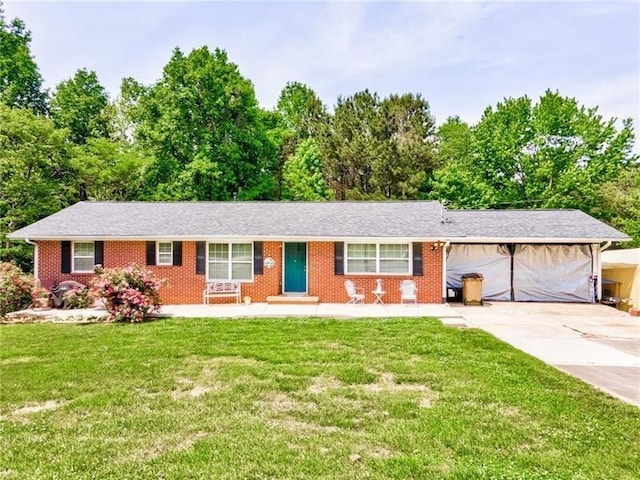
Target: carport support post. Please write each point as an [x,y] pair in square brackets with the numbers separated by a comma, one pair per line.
[444,271]
[597,268]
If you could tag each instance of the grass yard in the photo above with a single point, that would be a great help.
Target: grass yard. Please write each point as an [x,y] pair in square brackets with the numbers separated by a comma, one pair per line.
[298,398]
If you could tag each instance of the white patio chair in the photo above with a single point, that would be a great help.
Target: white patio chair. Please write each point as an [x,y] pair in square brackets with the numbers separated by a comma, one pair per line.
[356,295]
[408,292]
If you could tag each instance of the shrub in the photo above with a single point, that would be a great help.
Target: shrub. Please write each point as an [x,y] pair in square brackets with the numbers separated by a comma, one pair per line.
[16,288]
[129,293]
[40,296]
[78,297]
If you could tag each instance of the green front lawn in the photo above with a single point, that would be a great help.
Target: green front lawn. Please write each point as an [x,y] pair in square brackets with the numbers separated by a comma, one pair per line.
[298,398]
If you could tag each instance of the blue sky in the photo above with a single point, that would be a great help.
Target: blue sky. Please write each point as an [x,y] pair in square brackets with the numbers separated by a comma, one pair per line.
[462,56]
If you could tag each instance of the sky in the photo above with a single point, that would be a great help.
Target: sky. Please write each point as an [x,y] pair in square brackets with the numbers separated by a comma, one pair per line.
[460,56]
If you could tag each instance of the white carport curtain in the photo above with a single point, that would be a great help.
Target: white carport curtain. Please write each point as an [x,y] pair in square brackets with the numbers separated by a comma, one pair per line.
[492,261]
[541,273]
[552,273]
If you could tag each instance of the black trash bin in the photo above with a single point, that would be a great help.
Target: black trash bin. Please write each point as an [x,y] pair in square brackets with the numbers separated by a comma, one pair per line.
[472,289]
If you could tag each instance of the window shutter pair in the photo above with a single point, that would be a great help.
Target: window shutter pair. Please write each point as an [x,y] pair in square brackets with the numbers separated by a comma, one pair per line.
[66,260]
[338,258]
[177,253]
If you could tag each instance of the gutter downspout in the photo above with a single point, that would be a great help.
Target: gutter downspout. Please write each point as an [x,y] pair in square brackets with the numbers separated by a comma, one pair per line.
[35,257]
[444,271]
[597,268]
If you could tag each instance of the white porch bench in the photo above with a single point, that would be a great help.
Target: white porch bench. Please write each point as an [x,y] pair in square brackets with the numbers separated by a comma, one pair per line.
[221,289]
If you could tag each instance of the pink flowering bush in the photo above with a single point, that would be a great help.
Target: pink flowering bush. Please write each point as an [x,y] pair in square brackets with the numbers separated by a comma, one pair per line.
[16,288]
[78,297]
[129,293]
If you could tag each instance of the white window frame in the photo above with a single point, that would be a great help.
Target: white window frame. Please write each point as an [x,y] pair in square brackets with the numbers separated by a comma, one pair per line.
[158,262]
[229,263]
[74,257]
[409,271]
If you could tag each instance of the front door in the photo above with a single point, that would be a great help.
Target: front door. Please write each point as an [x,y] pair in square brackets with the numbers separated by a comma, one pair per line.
[295,268]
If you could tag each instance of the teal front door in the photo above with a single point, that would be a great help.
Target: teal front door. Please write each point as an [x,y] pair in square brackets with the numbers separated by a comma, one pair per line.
[295,268]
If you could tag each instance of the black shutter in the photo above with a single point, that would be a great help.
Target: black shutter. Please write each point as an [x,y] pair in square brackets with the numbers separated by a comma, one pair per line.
[201,257]
[177,254]
[151,253]
[417,259]
[98,253]
[258,258]
[65,256]
[338,258]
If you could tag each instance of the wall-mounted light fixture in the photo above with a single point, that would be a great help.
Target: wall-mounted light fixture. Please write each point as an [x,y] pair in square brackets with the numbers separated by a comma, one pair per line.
[437,245]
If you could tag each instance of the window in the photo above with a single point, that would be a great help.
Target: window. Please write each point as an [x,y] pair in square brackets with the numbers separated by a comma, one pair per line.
[392,258]
[361,258]
[165,253]
[83,256]
[230,261]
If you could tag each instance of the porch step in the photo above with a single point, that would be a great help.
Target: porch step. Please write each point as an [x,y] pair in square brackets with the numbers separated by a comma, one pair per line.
[291,300]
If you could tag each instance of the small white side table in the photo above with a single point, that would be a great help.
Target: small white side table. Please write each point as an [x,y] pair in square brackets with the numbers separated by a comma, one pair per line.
[378,294]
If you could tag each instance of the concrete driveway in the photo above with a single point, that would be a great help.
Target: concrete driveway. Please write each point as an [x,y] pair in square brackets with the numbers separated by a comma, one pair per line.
[595,343]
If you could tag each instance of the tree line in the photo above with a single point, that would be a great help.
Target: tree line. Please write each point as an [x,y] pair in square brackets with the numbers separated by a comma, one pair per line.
[199,133]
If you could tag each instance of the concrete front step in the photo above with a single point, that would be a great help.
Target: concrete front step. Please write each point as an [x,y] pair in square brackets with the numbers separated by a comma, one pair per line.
[292,300]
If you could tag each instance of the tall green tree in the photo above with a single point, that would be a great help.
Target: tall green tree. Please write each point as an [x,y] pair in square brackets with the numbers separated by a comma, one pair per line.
[455,181]
[551,154]
[299,115]
[408,130]
[202,122]
[376,148]
[619,200]
[301,109]
[79,104]
[20,80]
[303,176]
[109,170]
[36,178]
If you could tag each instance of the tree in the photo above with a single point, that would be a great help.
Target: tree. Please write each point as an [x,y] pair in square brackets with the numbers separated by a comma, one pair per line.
[378,149]
[78,104]
[620,203]
[301,109]
[303,177]
[109,170]
[552,154]
[20,80]
[454,181]
[202,122]
[35,175]
[408,129]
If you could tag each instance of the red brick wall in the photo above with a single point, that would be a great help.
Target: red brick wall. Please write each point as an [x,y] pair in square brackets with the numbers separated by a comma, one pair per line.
[330,287]
[184,286]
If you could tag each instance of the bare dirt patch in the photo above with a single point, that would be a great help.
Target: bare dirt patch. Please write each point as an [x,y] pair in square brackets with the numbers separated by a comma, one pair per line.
[322,384]
[194,392]
[387,384]
[38,407]
[302,427]
[16,360]
[162,445]
[281,402]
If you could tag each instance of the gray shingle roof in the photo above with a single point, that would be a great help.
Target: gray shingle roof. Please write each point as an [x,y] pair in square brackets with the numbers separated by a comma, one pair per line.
[533,224]
[420,220]
[243,219]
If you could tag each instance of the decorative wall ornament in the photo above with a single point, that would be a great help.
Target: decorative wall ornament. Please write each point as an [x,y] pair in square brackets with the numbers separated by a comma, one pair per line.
[269,262]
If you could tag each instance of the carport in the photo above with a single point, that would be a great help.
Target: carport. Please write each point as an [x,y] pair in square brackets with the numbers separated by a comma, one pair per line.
[529,255]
